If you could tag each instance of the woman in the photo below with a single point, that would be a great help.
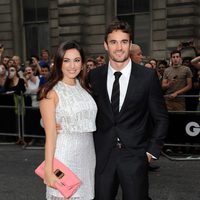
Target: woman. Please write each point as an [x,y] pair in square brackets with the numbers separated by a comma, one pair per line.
[14,84]
[14,88]
[162,65]
[64,100]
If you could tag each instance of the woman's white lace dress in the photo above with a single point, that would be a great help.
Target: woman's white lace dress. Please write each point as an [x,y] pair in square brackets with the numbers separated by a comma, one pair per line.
[76,113]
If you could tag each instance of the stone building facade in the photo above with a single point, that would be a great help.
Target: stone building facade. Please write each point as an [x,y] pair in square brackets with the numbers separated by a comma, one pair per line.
[170,22]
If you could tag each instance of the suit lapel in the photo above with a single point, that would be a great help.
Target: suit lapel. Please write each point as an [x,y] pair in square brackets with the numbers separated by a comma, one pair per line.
[104,91]
[130,89]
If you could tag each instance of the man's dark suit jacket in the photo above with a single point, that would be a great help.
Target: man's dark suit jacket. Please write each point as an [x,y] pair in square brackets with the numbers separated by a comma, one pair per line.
[144,99]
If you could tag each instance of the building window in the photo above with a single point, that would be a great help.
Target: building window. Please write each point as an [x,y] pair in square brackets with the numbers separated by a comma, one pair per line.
[137,14]
[35,14]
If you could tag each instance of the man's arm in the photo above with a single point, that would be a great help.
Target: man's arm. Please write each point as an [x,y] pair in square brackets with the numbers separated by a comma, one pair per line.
[167,83]
[196,62]
[184,89]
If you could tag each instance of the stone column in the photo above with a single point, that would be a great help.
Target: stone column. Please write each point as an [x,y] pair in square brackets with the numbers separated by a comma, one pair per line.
[158,29]
[182,20]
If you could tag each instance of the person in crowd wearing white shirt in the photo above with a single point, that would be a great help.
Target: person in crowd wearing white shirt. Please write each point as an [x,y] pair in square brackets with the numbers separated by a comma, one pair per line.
[32,85]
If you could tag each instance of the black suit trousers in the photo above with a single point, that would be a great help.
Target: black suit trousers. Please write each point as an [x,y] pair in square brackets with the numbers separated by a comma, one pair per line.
[124,169]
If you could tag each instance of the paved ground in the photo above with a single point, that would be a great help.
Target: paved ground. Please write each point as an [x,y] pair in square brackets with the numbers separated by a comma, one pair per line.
[176,180]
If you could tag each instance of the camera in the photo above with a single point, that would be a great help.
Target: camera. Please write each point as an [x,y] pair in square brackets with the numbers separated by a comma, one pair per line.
[175,77]
[185,44]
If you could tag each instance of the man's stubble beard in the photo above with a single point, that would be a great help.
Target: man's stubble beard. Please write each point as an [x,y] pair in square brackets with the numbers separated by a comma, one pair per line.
[118,60]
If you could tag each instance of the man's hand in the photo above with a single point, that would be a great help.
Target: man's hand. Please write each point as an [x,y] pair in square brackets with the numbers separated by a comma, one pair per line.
[149,157]
[58,128]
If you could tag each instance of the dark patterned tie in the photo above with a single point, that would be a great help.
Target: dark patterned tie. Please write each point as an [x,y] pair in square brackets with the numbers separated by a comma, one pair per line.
[115,94]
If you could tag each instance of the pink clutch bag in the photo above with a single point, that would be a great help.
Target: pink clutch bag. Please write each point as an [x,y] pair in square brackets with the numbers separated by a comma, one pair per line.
[70,182]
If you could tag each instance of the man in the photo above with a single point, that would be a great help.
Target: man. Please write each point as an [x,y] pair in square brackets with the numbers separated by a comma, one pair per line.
[177,80]
[191,103]
[196,63]
[44,72]
[100,60]
[45,57]
[19,65]
[123,146]
[90,64]
[153,62]
[5,60]
[136,54]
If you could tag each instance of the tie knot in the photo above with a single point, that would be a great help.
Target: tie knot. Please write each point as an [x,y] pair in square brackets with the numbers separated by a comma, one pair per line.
[117,75]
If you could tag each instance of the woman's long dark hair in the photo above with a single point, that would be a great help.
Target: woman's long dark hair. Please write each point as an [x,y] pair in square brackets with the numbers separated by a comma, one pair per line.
[57,74]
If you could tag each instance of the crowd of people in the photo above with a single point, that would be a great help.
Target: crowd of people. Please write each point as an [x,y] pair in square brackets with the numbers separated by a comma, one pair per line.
[26,79]
[127,116]
[179,76]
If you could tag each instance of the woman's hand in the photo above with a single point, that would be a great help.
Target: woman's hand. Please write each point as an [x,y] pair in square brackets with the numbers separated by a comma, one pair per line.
[51,180]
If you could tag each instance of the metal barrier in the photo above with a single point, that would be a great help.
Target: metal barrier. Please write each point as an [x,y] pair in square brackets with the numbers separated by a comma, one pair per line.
[9,117]
[10,122]
[19,120]
[184,132]
[24,122]
[32,125]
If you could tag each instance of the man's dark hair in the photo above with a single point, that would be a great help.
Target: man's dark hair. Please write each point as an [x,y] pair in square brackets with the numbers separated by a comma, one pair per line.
[57,74]
[175,51]
[118,25]
[163,62]
[91,60]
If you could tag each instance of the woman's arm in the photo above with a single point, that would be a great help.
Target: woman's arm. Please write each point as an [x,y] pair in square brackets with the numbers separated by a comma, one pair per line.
[48,110]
